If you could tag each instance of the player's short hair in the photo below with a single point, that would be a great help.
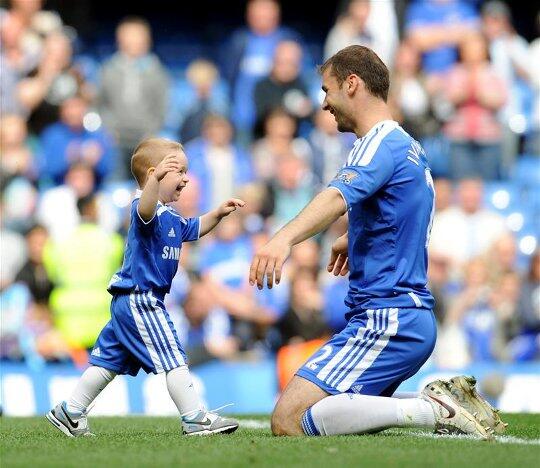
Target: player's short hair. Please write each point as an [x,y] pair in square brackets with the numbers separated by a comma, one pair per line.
[363,62]
[149,153]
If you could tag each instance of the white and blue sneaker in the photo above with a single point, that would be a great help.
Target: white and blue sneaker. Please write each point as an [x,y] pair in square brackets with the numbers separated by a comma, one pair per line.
[70,424]
[207,423]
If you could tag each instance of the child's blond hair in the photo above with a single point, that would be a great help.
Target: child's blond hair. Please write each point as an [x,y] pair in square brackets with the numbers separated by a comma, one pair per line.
[149,153]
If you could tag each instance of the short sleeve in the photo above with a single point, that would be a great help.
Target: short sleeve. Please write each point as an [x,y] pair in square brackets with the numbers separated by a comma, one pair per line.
[361,179]
[191,228]
[145,227]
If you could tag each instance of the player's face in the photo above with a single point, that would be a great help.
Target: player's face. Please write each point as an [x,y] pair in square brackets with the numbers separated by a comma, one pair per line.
[173,183]
[335,101]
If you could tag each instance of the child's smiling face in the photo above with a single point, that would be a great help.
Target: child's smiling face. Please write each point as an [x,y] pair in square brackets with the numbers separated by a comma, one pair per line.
[173,183]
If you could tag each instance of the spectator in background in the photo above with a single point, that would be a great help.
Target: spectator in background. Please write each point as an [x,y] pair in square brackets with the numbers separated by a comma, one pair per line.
[57,209]
[278,141]
[369,23]
[38,23]
[502,256]
[504,299]
[303,319]
[284,86]
[416,105]
[17,150]
[477,94]
[53,81]
[527,346]
[436,28]
[134,89]
[467,230]
[17,61]
[37,336]
[469,307]
[33,273]
[329,147]
[81,266]
[204,329]
[203,77]
[533,138]
[445,193]
[291,189]
[217,162]
[70,140]
[249,58]
[12,251]
[222,264]
[508,51]
[509,54]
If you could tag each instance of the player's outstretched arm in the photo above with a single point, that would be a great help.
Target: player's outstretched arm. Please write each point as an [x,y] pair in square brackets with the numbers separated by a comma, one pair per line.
[211,219]
[322,211]
[150,193]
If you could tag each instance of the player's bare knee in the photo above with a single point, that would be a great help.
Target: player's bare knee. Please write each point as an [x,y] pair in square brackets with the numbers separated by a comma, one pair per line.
[285,422]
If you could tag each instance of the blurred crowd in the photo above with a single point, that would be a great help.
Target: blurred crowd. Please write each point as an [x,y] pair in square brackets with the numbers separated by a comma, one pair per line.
[464,83]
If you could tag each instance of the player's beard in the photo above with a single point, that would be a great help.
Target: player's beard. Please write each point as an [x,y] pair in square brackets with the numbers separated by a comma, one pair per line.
[343,124]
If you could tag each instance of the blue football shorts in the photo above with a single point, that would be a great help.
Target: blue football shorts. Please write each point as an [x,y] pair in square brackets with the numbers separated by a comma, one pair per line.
[375,352]
[139,335]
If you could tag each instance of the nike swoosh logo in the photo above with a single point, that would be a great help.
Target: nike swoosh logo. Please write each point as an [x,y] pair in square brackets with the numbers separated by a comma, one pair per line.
[451,411]
[73,423]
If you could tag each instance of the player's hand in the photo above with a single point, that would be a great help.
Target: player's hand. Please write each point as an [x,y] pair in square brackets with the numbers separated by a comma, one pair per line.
[339,258]
[227,207]
[268,261]
[169,163]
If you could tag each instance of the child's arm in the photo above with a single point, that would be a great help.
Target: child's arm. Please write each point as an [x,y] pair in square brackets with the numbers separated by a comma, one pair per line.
[211,219]
[150,193]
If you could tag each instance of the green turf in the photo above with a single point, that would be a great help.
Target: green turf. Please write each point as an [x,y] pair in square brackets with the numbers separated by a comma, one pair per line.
[156,442]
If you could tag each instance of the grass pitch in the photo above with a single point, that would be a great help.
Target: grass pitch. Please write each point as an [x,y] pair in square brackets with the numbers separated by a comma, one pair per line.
[156,442]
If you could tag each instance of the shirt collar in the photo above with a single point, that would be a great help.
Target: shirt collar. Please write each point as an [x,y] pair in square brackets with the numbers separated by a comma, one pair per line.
[376,127]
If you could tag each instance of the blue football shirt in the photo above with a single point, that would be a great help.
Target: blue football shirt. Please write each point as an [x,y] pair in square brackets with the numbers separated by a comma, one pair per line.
[153,250]
[387,186]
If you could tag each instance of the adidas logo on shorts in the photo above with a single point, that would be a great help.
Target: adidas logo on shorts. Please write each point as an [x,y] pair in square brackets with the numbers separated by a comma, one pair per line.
[96,352]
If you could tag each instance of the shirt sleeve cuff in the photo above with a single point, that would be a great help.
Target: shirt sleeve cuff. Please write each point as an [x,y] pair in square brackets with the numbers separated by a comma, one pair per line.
[146,223]
[342,195]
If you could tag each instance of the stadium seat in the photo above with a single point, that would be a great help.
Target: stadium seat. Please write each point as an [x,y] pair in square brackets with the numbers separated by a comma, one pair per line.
[527,171]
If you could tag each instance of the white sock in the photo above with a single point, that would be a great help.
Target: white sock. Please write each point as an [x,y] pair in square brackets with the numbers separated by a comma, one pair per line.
[89,386]
[182,392]
[350,413]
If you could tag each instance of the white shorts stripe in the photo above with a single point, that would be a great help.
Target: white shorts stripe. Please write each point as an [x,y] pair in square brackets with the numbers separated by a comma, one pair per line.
[360,335]
[371,355]
[168,331]
[368,335]
[144,333]
[163,343]
[152,327]
[365,346]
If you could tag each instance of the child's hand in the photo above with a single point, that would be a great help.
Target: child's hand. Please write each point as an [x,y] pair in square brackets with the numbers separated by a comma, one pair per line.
[169,163]
[226,208]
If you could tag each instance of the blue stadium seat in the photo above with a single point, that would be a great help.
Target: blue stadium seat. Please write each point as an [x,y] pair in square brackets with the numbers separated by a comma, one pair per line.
[527,171]
[504,197]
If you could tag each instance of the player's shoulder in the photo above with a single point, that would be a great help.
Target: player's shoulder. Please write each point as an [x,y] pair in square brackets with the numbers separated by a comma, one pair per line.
[398,137]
